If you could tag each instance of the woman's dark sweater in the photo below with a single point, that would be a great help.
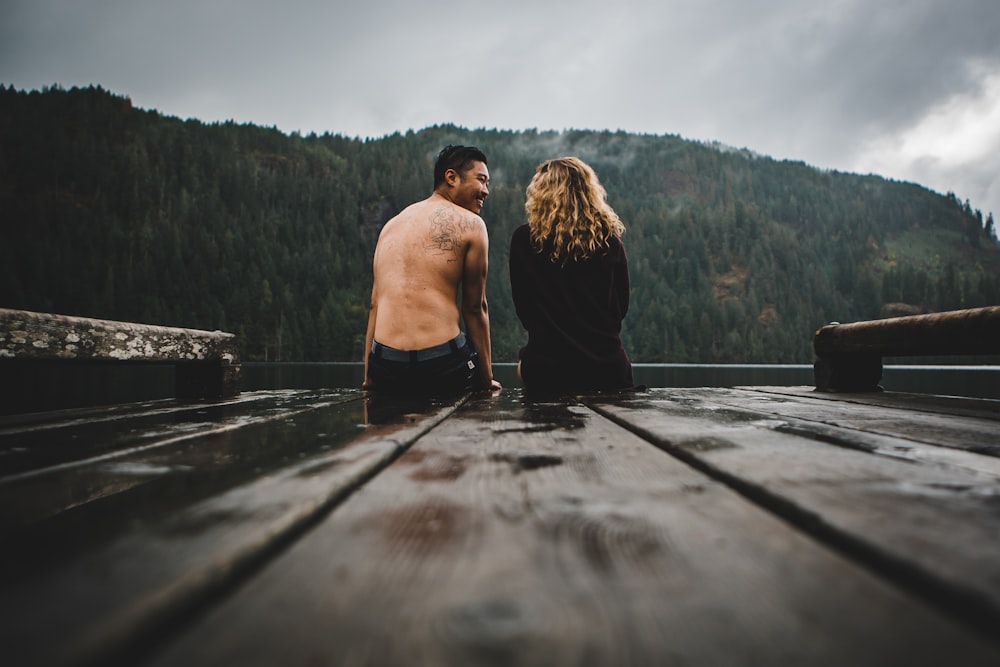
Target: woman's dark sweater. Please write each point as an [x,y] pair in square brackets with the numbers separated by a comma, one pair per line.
[573,315]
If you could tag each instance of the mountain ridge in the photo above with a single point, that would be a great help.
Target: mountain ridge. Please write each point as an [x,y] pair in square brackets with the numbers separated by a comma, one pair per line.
[122,213]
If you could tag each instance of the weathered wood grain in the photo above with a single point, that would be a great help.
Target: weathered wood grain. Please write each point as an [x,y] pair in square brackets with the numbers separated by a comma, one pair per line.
[970,331]
[917,430]
[134,458]
[117,596]
[977,434]
[955,406]
[64,439]
[849,356]
[931,528]
[541,534]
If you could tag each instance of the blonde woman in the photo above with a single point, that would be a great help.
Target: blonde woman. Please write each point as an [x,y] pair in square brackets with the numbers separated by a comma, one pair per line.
[570,283]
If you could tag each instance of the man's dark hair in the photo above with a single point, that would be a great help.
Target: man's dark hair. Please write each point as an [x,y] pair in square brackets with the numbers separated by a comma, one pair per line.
[459,158]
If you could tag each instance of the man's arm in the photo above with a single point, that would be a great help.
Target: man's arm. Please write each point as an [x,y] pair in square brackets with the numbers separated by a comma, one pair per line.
[475,310]
[369,337]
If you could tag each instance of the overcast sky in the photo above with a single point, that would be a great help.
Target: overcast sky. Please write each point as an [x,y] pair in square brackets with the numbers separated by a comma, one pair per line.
[909,89]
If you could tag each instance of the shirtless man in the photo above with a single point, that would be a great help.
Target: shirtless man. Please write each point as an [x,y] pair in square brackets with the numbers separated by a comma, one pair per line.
[414,343]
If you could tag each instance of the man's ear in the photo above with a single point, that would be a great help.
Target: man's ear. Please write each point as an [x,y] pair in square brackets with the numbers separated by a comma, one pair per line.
[452,177]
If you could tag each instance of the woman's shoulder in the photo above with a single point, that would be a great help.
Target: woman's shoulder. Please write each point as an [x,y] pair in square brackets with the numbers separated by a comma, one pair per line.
[614,249]
[521,237]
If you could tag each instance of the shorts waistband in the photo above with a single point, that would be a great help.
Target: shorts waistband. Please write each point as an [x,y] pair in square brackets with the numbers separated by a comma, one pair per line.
[426,354]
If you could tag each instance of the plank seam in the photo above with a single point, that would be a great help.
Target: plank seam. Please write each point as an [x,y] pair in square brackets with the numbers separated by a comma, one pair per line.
[842,441]
[60,419]
[109,456]
[141,635]
[833,397]
[966,605]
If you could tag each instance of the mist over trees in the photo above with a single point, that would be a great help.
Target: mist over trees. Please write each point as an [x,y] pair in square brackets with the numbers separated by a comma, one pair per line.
[114,212]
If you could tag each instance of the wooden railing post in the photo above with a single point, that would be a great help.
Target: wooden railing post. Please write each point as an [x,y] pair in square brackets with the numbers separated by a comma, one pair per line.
[849,356]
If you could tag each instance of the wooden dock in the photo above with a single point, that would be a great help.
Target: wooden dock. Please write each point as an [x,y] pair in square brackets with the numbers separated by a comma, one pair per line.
[744,526]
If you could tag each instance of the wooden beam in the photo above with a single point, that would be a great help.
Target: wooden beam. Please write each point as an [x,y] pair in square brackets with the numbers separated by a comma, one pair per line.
[972,331]
[207,362]
[849,356]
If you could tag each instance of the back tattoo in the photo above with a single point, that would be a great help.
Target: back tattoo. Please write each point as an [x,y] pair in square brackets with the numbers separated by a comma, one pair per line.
[447,231]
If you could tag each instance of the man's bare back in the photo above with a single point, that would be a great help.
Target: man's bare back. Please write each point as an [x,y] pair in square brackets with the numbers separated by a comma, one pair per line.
[425,257]
[418,268]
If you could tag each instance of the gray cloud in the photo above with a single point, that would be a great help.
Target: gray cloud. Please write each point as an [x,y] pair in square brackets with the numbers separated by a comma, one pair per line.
[845,84]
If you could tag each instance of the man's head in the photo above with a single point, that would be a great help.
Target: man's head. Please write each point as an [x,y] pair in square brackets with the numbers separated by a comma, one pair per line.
[461,175]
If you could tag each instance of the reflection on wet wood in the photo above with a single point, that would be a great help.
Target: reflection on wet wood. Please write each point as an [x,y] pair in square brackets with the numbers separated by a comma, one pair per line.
[677,526]
[545,534]
[106,579]
[922,518]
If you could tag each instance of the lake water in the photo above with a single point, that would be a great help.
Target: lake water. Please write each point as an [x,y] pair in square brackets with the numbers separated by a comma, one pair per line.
[56,386]
[977,381]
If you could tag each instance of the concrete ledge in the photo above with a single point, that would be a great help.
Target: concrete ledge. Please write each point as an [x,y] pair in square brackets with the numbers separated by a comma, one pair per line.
[207,362]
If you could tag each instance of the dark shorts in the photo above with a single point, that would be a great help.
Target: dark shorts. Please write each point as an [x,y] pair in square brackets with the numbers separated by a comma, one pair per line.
[448,368]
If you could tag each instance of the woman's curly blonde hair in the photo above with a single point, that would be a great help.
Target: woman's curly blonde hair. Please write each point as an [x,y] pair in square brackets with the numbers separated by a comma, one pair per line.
[568,212]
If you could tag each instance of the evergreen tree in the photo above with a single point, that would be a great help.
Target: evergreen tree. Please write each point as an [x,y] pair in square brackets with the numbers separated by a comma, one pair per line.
[114,212]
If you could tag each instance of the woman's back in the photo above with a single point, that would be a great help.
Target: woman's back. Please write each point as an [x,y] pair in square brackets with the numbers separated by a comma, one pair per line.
[573,311]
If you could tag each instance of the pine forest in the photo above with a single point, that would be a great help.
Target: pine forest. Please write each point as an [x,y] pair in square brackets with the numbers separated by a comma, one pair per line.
[115,212]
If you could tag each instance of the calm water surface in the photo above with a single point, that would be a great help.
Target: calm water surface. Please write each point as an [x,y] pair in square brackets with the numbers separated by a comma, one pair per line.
[57,386]
[978,381]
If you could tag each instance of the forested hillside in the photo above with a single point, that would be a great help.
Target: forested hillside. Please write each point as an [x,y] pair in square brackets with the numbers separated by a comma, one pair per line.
[115,212]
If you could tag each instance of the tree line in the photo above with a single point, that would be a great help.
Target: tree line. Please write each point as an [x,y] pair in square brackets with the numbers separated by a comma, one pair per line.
[116,212]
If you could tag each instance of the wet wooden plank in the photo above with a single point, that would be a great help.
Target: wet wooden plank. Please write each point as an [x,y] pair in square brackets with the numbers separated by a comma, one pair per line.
[928,525]
[40,442]
[964,424]
[542,534]
[86,467]
[980,408]
[124,592]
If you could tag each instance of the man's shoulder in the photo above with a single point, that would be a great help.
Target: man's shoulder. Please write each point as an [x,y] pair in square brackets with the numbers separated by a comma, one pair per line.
[456,211]
[461,221]
[443,222]
[407,213]
[436,208]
